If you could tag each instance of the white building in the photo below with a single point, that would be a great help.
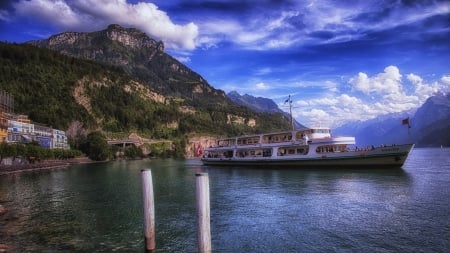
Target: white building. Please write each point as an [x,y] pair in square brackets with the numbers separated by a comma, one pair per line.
[24,132]
[59,139]
[20,131]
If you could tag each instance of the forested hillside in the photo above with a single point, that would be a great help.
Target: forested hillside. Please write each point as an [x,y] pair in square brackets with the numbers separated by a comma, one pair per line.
[141,57]
[58,90]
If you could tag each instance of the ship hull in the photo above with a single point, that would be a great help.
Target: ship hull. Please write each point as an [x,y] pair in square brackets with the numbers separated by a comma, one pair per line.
[393,156]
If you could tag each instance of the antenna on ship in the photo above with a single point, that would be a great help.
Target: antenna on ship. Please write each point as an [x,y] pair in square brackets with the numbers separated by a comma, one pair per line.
[289,100]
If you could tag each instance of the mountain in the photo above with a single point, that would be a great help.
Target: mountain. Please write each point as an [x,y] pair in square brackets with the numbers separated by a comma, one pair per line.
[140,56]
[260,104]
[385,129]
[119,80]
[429,125]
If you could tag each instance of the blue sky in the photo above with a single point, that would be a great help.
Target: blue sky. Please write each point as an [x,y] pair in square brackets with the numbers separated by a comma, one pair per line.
[339,60]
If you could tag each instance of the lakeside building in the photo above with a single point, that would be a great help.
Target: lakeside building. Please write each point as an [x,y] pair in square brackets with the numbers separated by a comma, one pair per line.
[6,106]
[43,135]
[59,139]
[20,130]
[17,128]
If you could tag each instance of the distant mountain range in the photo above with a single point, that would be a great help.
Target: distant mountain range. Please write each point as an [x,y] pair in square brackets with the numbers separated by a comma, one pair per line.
[260,104]
[427,126]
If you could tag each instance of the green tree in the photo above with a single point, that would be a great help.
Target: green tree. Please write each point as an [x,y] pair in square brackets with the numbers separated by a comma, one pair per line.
[97,147]
[5,151]
[33,152]
[133,152]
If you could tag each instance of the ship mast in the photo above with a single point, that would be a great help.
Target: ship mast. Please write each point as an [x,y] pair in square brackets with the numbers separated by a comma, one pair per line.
[289,100]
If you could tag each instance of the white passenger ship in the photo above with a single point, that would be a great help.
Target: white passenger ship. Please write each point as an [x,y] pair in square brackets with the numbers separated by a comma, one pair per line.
[303,147]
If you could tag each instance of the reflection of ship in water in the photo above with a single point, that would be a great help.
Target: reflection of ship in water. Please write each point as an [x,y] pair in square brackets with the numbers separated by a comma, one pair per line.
[319,180]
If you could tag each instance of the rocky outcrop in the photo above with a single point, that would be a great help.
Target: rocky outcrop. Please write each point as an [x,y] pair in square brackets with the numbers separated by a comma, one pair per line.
[128,37]
[132,38]
[197,144]
[140,56]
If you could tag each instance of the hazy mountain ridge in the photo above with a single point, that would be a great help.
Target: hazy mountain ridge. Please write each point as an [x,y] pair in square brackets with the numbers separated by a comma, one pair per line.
[260,104]
[429,126]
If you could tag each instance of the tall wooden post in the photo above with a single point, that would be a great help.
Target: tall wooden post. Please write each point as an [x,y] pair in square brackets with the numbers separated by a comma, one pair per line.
[203,213]
[149,210]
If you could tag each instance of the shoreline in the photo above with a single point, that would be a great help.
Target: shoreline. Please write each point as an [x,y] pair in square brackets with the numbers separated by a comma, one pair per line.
[45,165]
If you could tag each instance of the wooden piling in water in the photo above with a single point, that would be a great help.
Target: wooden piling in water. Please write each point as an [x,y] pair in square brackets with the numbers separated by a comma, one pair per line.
[149,210]
[203,213]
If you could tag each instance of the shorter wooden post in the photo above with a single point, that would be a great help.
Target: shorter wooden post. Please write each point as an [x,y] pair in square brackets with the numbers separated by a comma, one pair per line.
[203,213]
[149,210]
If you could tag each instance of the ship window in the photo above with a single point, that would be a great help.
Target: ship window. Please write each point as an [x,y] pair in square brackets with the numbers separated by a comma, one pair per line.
[325,149]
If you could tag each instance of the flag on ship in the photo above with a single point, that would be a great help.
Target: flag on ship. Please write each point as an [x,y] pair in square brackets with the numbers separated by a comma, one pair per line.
[406,122]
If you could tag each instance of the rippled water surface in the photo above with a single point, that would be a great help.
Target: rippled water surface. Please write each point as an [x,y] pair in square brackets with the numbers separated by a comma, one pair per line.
[98,208]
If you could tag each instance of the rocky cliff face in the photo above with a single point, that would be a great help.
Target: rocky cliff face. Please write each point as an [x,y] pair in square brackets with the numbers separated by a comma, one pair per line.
[132,38]
[140,56]
[115,45]
[128,37]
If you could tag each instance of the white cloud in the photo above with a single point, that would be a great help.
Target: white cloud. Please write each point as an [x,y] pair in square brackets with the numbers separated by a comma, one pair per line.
[261,86]
[445,84]
[263,71]
[414,78]
[259,33]
[95,14]
[423,90]
[370,97]
[330,111]
[446,80]
[317,117]
[387,82]
[183,59]
[57,12]
[305,20]
[272,30]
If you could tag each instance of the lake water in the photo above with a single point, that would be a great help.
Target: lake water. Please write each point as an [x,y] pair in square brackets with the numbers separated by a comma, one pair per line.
[98,208]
